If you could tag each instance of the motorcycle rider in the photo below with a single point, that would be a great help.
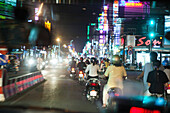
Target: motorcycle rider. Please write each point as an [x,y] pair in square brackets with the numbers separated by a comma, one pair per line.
[157,80]
[72,64]
[106,64]
[147,68]
[81,65]
[115,72]
[92,68]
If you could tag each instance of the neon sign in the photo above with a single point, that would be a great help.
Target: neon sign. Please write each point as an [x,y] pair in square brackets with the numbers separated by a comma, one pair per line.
[146,42]
[133,4]
[36,15]
[105,18]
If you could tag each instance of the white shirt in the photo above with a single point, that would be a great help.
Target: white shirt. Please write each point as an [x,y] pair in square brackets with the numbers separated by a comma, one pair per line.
[92,70]
[115,74]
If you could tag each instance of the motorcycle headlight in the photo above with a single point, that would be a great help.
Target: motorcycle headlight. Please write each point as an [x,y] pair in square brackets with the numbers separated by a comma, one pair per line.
[53,61]
[43,63]
[31,61]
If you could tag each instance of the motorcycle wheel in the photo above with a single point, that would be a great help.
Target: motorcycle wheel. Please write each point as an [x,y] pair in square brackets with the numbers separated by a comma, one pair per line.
[92,100]
[81,82]
[112,105]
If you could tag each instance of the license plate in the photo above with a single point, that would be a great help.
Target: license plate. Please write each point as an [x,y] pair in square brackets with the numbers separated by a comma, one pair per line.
[93,93]
[168,91]
[73,71]
[80,75]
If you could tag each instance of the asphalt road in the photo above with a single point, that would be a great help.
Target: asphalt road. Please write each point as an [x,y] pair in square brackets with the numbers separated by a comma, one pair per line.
[60,91]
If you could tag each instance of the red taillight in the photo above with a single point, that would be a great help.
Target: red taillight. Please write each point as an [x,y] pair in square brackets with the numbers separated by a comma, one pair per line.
[142,110]
[81,72]
[168,85]
[72,69]
[116,94]
[94,84]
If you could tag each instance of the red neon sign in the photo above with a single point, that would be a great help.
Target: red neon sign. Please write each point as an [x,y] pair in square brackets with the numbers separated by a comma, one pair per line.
[133,4]
[143,42]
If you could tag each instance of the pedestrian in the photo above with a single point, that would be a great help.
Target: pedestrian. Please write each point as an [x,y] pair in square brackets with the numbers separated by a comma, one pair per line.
[157,80]
[147,68]
[140,66]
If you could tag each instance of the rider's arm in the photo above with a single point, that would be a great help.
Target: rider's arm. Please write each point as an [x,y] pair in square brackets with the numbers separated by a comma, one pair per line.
[87,69]
[166,80]
[98,68]
[141,75]
[124,72]
[166,84]
[149,84]
[149,79]
[106,74]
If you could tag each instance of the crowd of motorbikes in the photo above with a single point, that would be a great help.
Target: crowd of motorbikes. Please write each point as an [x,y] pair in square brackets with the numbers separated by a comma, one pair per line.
[93,88]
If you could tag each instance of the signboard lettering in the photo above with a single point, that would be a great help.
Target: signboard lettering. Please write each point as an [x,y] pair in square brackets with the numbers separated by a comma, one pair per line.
[143,41]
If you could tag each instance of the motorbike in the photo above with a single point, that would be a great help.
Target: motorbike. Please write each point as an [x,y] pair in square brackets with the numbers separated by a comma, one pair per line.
[14,69]
[73,73]
[112,94]
[167,92]
[81,77]
[93,89]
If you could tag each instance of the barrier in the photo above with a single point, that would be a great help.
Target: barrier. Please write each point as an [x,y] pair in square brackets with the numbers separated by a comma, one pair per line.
[2,97]
[11,86]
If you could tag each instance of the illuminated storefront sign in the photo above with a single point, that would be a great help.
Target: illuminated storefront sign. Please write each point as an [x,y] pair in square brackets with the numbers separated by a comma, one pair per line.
[11,2]
[105,19]
[115,11]
[130,3]
[115,21]
[167,29]
[143,41]
[133,4]
[6,10]
[36,14]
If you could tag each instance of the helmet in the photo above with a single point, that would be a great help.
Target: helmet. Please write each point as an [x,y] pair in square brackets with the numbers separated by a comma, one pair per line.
[153,56]
[116,60]
[81,58]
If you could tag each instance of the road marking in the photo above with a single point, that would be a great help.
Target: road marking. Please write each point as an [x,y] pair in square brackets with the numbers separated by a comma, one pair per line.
[62,76]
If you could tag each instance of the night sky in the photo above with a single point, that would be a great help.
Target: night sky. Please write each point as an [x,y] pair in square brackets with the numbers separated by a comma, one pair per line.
[73,21]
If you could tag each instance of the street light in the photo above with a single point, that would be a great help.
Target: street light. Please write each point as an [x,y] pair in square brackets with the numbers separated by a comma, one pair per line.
[64,45]
[58,40]
[39,11]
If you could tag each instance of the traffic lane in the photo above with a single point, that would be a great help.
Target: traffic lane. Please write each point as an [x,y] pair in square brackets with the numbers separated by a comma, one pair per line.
[59,91]
[132,87]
